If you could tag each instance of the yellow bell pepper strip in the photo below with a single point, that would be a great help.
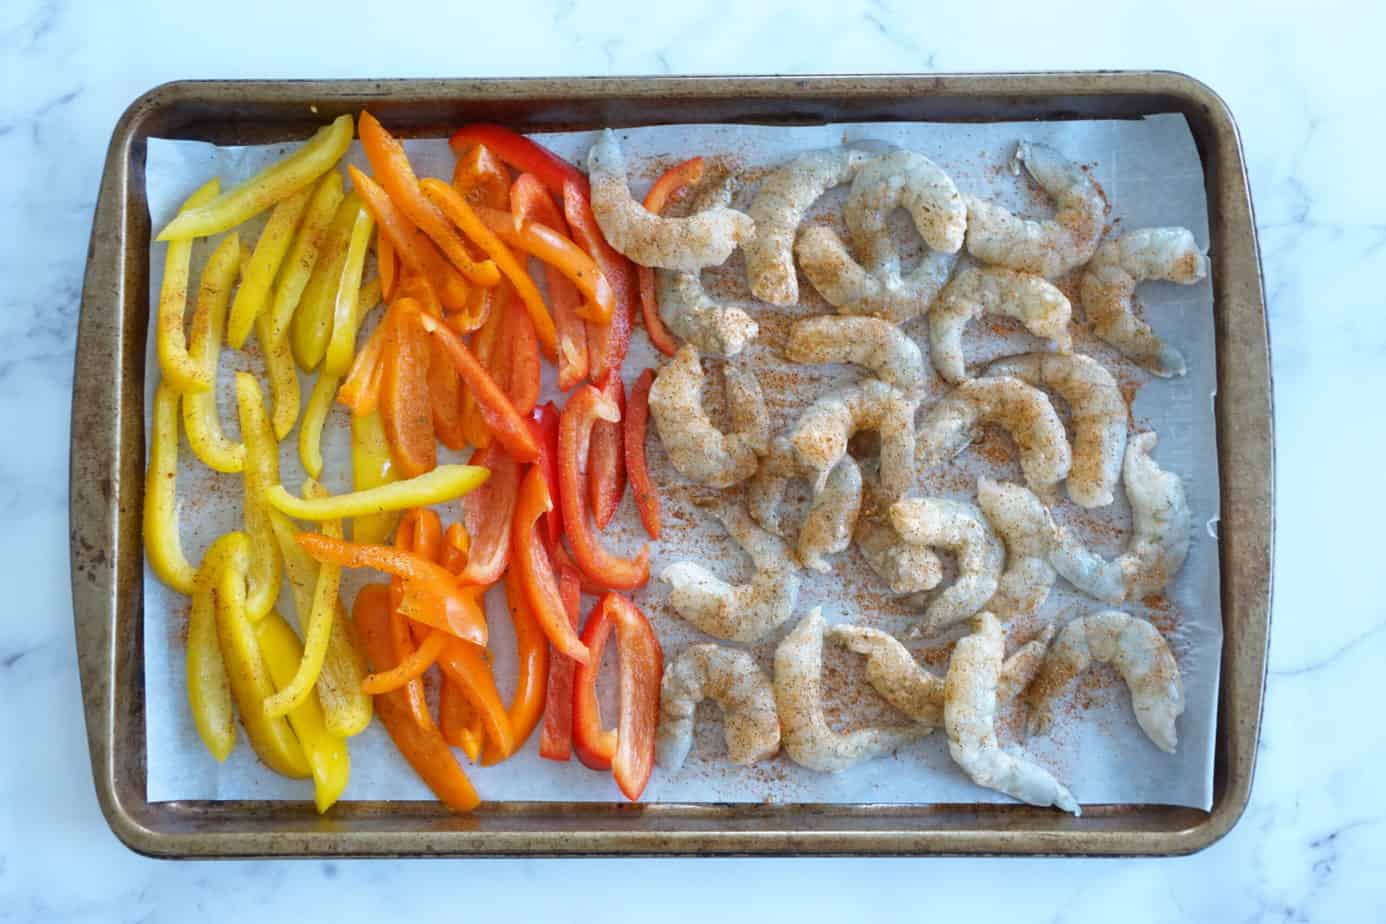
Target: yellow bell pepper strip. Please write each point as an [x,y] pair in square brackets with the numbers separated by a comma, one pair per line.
[304,253]
[278,181]
[348,306]
[163,547]
[451,203]
[314,418]
[443,484]
[531,686]
[285,398]
[261,471]
[458,721]
[209,690]
[410,668]
[371,467]
[273,740]
[171,342]
[555,250]
[201,417]
[424,748]
[327,753]
[270,248]
[312,324]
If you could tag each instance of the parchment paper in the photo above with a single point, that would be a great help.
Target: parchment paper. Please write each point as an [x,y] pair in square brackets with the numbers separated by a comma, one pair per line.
[1151,173]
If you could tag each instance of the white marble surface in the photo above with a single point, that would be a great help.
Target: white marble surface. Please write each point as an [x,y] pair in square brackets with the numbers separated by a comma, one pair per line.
[1304,84]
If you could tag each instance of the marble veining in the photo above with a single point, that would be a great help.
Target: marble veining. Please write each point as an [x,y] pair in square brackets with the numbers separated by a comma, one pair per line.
[1304,89]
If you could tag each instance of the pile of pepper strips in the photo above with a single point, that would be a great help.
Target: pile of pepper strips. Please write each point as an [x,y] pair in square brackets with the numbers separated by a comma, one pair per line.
[454,359]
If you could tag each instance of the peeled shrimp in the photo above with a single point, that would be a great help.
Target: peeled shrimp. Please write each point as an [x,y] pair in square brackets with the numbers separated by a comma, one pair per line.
[743,612]
[969,715]
[706,238]
[908,180]
[878,345]
[765,490]
[831,516]
[881,292]
[698,450]
[950,425]
[907,569]
[904,683]
[961,529]
[1109,287]
[808,739]
[1030,299]
[820,436]
[778,208]
[1026,528]
[1046,248]
[731,677]
[1139,653]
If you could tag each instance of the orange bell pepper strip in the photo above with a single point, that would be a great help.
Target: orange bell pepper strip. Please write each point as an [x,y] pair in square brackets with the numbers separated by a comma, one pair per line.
[412,285]
[487,513]
[534,570]
[504,421]
[450,202]
[409,668]
[457,547]
[635,422]
[424,748]
[532,652]
[467,666]
[459,722]
[584,408]
[530,202]
[360,390]
[391,165]
[670,184]
[445,398]
[484,345]
[405,407]
[606,459]
[387,265]
[544,423]
[556,738]
[606,343]
[557,251]
[481,177]
[629,748]
[522,355]
[480,305]
[419,531]
[520,153]
[431,593]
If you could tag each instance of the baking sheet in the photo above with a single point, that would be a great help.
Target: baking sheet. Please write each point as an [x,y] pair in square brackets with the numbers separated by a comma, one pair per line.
[1152,175]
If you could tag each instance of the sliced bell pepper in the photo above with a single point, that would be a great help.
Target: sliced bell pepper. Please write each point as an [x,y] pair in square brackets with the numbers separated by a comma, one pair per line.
[484,344]
[171,341]
[458,721]
[348,305]
[606,343]
[467,666]
[371,467]
[562,559]
[481,177]
[163,546]
[325,388]
[444,483]
[480,303]
[544,423]
[532,653]
[531,202]
[201,418]
[270,249]
[445,398]
[312,323]
[556,739]
[209,690]
[360,390]
[404,400]
[261,471]
[386,264]
[534,571]
[629,748]
[584,408]
[279,180]
[522,357]
[285,397]
[424,748]
[303,255]
[636,419]
[505,423]
[487,513]
[606,459]
[670,184]
[420,532]
[557,251]
[520,153]
[411,668]
[457,548]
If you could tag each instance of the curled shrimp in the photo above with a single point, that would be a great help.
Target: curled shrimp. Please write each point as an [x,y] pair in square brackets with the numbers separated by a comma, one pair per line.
[705,238]
[698,450]
[1139,653]
[906,568]
[904,683]
[820,435]
[1025,526]
[807,737]
[1109,288]
[950,425]
[854,290]
[765,490]
[878,345]
[731,678]
[908,180]
[778,208]
[742,612]
[1045,248]
[969,716]
[978,290]
[831,516]
[961,529]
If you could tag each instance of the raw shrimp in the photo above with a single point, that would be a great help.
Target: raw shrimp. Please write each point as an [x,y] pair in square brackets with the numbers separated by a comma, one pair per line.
[1139,653]
[907,569]
[961,529]
[1098,413]
[765,491]
[697,449]
[808,739]
[731,678]
[1109,288]
[1046,248]
[904,683]
[706,238]
[831,516]
[743,612]
[882,292]
[878,345]
[950,425]
[778,208]
[969,716]
[977,290]
[908,180]
[820,435]
[1025,526]
[714,328]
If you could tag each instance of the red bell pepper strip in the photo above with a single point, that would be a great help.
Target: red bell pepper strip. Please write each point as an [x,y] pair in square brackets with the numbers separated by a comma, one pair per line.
[606,460]
[458,721]
[584,408]
[481,178]
[423,748]
[532,651]
[467,666]
[556,738]
[520,153]
[670,184]
[641,485]
[628,749]
[544,423]
[522,353]
[562,558]
[530,202]
[606,343]
[487,513]
[505,423]
[535,572]
[404,398]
